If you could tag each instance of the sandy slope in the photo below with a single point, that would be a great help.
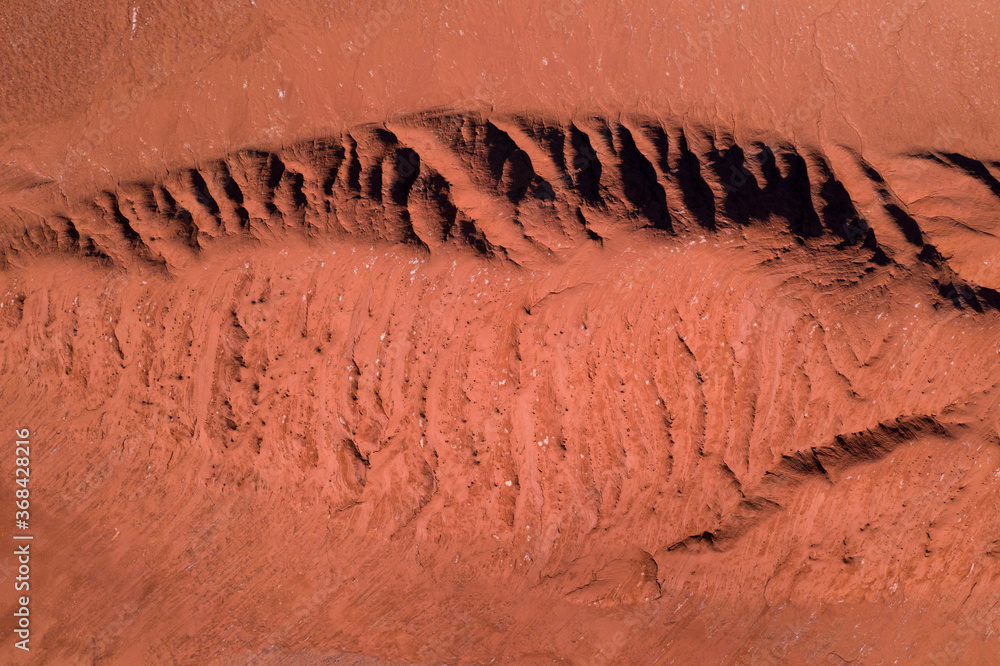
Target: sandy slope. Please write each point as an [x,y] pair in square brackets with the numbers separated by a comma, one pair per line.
[402,393]
[462,385]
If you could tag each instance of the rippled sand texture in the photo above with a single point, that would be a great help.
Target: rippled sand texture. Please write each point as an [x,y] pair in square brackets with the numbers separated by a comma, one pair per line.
[464,384]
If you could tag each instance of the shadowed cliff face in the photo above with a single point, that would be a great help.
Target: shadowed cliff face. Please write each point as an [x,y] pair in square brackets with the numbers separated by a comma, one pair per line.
[614,388]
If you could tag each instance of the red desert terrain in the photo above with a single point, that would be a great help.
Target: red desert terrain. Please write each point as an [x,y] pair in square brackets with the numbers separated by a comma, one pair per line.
[469,333]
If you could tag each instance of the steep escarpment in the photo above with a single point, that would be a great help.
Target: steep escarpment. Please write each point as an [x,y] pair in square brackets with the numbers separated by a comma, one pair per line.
[522,188]
[611,387]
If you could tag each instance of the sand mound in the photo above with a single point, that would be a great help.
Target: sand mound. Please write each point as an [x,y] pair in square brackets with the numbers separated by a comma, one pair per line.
[459,387]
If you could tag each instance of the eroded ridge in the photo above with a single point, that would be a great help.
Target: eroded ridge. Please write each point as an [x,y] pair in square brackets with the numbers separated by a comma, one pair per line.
[517,187]
[593,363]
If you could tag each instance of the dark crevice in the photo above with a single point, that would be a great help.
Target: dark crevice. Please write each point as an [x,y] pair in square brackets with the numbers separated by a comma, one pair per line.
[586,166]
[640,184]
[698,196]
[407,169]
[199,188]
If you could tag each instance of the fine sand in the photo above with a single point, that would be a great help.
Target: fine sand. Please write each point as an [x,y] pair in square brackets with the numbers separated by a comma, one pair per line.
[489,333]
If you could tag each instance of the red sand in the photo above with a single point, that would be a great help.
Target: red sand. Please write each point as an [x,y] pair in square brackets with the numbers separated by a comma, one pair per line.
[502,334]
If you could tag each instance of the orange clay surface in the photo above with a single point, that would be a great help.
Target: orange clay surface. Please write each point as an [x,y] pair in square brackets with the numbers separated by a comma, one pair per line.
[467,333]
